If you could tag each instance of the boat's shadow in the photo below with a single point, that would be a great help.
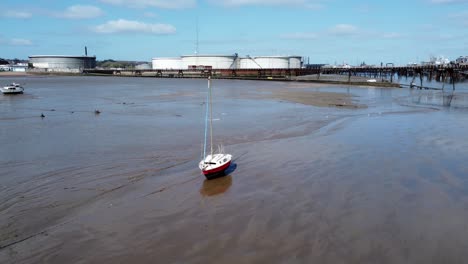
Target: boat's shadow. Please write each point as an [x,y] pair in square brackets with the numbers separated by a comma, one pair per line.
[216,186]
[231,168]
[228,171]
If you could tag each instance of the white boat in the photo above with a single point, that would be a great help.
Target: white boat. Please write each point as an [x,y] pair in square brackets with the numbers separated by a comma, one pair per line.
[14,88]
[214,164]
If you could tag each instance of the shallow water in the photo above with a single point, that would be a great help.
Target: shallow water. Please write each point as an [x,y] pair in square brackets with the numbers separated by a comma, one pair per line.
[382,184]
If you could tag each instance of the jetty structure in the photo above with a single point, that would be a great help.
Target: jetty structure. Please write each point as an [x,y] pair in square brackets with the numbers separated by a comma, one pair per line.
[384,75]
[270,67]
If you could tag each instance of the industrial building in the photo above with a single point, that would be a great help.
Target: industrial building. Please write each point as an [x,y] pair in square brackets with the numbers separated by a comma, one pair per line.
[20,67]
[227,62]
[62,63]
[462,60]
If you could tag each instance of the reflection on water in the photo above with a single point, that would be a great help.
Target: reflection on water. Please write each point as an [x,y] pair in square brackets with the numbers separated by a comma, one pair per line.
[447,98]
[216,186]
[439,93]
[434,84]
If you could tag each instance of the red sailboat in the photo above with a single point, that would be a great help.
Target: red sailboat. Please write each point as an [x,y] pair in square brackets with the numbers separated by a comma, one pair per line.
[214,164]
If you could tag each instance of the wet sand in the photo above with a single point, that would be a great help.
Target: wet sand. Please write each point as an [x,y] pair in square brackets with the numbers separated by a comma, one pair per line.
[322,99]
[311,182]
[13,74]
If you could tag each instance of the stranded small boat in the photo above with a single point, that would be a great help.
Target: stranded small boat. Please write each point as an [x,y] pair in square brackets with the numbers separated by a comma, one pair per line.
[212,165]
[215,164]
[14,88]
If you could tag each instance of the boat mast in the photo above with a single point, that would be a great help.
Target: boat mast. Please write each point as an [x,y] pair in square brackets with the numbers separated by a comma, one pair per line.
[206,123]
[211,117]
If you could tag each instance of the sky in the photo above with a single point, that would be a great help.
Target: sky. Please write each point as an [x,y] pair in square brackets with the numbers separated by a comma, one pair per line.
[324,31]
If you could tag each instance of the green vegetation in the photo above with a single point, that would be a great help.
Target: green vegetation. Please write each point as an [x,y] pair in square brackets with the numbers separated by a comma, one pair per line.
[12,61]
[3,62]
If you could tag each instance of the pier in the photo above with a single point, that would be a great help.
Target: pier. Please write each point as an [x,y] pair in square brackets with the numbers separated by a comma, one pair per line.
[385,74]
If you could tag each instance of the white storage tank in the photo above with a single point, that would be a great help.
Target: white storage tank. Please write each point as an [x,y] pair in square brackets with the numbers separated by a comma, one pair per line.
[273,62]
[248,63]
[295,62]
[227,62]
[167,64]
[62,62]
[209,61]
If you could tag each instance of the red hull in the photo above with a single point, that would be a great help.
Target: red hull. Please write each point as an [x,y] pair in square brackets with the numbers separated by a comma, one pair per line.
[217,170]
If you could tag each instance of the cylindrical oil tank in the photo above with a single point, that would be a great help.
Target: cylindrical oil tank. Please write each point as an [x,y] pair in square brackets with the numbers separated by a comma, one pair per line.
[295,62]
[272,62]
[167,64]
[248,63]
[209,61]
[60,62]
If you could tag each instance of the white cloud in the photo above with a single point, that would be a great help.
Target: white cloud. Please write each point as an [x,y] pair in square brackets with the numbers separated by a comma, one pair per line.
[171,4]
[460,17]
[449,1]
[127,26]
[17,14]
[20,42]
[343,29]
[463,14]
[304,3]
[300,36]
[364,8]
[149,14]
[392,35]
[80,12]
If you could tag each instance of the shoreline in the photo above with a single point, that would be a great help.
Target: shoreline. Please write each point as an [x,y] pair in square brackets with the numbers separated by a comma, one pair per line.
[14,74]
[375,84]
[273,79]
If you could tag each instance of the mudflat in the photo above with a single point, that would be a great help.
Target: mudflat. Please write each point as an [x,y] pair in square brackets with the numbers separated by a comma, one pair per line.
[323,99]
[380,180]
[12,74]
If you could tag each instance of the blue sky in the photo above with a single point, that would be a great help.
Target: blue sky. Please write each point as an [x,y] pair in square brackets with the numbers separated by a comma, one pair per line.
[327,31]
